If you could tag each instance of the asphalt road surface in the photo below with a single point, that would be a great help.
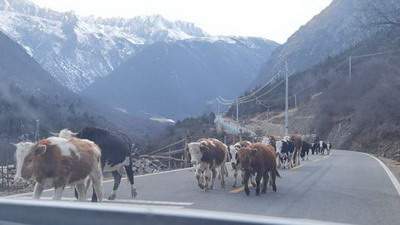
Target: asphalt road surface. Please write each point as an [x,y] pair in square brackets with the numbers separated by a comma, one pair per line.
[347,187]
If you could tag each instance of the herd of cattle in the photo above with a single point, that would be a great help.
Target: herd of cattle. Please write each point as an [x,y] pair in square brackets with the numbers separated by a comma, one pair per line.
[80,159]
[258,160]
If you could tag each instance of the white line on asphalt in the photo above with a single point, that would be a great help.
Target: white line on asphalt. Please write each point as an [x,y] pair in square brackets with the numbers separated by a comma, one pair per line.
[126,201]
[105,181]
[394,180]
[152,174]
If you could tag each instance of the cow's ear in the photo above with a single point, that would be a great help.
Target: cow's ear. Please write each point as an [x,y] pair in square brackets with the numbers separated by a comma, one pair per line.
[40,149]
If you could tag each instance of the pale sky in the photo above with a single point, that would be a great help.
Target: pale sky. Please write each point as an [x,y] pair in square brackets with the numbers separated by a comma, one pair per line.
[272,19]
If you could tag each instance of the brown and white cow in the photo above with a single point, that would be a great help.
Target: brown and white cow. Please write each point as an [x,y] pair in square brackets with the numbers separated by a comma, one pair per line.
[209,155]
[59,162]
[258,159]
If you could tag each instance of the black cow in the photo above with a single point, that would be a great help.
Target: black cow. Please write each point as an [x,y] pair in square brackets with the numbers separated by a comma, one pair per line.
[287,153]
[115,154]
[314,148]
[305,149]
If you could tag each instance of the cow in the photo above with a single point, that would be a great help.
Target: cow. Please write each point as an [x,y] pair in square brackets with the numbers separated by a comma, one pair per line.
[286,152]
[279,144]
[314,148]
[305,150]
[328,147]
[297,142]
[322,147]
[115,155]
[269,140]
[60,162]
[209,155]
[258,159]
[233,152]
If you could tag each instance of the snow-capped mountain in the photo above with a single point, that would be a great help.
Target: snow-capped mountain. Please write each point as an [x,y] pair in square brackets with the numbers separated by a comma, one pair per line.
[78,50]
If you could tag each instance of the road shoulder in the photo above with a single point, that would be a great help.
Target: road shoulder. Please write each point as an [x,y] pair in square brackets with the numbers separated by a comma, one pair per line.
[393,165]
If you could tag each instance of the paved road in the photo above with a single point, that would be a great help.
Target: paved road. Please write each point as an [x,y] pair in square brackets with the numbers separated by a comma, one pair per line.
[346,187]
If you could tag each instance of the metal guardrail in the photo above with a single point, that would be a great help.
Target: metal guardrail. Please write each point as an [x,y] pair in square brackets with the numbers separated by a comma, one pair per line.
[77,213]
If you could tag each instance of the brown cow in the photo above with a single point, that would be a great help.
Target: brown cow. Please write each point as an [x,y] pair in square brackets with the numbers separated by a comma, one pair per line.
[298,143]
[59,162]
[209,154]
[233,150]
[258,159]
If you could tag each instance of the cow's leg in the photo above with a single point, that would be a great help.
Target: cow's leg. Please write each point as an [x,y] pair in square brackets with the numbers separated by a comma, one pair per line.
[38,190]
[93,175]
[199,179]
[207,178]
[273,179]
[222,171]
[258,180]
[117,181]
[58,192]
[235,174]
[130,175]
[264,183]
[253,181]
[80,188]
[226,170]
[87,185]
[214,175]
[96,177]
[246,183]
[297,162]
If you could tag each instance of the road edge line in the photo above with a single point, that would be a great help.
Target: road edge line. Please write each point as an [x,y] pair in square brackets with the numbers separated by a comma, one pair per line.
[391,176]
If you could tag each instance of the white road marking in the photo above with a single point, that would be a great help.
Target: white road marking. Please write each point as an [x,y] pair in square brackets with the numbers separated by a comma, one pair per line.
[105,181]
[152,174]
[394,180]
[126,201]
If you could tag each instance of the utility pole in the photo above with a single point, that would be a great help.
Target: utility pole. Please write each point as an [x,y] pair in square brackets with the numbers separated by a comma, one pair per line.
[37,130]
[295,100]
[237,109]
[286,99]
[350,68]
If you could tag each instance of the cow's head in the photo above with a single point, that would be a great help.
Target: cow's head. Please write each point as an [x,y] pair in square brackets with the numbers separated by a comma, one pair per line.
[25,155]
[233,152]
[195,152]
[67,134]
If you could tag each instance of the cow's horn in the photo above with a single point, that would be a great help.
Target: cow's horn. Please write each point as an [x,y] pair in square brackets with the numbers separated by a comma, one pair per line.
[53,133]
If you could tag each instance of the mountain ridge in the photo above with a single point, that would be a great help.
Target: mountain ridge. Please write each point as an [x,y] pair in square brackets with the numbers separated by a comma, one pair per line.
[78,50]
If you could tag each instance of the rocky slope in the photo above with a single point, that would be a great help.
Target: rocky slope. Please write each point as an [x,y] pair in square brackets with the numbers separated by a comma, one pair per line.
[338,27]
[182,78]
[29,93]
